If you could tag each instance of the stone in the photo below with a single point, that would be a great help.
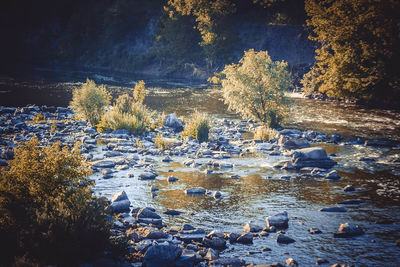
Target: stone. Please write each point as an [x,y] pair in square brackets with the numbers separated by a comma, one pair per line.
[349,188]
[245,238]
[320,261]
[279,220]
[172,179]
[104,164]
[111,154]
[315,231]
[348,230]
[211,254]
[251,227]
[172,212]
[120,203]
[332,175]
[147,176]
[311,153]
[216,242]
[187,259]
[195,191]
[161,255]
[265,249]
[173,122]
[157,234]
[217,194]
[284,239]
[147,213]
[333,209]
[187,227]
[291,262]
[294,143]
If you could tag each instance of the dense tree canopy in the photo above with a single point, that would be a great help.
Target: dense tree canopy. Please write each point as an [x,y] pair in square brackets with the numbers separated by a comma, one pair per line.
[359,53]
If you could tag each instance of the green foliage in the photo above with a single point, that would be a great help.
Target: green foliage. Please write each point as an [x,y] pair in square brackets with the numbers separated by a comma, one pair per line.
[359,51]
[264,133]
[47,212]
[90,101]
[255,88]
[197,127]
[39,118]
[128,113]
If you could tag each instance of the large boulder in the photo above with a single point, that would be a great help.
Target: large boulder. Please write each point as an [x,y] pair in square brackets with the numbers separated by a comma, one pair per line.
[120,203]
[173,122]
[311,157]
[279,220]
[161,255]
[292,143]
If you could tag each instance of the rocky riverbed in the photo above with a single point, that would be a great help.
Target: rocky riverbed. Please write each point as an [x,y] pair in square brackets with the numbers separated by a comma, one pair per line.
[302,198]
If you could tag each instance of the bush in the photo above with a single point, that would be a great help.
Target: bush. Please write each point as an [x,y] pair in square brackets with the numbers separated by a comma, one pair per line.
[255,88]
[161,142]
[39,118]
[263,133]
[47,212]
[128,113]
[197,127]
[90,101]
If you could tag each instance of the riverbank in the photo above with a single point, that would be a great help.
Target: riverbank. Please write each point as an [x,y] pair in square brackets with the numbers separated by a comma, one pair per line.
[235,179]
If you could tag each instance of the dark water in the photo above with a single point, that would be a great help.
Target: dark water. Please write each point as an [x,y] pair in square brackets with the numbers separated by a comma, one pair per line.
[254,196]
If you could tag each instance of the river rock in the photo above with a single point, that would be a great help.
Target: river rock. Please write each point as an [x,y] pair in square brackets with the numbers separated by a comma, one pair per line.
[349,188]
[332,175]
[351,202]
[120,203]
[173,122]
[172,212]
[195,191]
[252,227]
[311,157]
[104,164]
[187,259]
[320,261]
[333,209]
[292,143]
[217,194]
[284,239]
[172,179]
[161,255]
[245,238]
[211,254]
[315,231]
[279,220]
[147,176]
[216,242]
[291,262]
[348,230]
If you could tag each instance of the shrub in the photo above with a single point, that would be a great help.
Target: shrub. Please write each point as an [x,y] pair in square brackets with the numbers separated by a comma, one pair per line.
[197,127]
[47,212]
[128,113]
[90,101]
[263,133]
[255,88]
[161,142]
[39,118]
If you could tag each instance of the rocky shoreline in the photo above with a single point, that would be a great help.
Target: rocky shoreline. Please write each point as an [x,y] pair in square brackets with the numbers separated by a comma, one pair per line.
[151,242]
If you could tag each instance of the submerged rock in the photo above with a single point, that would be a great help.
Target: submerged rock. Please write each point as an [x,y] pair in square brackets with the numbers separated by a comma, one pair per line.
[147,176]
[104,164]
[284,239]
[333,209]
[195,191]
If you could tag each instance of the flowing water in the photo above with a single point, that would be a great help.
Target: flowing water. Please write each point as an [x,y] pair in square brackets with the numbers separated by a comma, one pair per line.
[260,191]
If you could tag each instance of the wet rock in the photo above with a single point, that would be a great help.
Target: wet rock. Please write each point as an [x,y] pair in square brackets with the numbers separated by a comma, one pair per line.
[311,157]
[104,164]
[245,238]
[315,231]
[292,143]
[111,154]
[173,122]
[161,255]
[211,254]
[279,220]
[235,176]
[349,188]
[333,175]
[187,259]
[173,212]
[265,249]
[156,234]
[3,162]
[333,209]
[147,176]
[321,261]
[217,194]
[274,264]
[147,213]
[120,203]
[397,243]
[291,262]
[231,262]
[351,202]
[348,230]
[172,179]
[284,239]
[187,227]
[263,233]
[188,236]
[166,159]
[195,191]
[216,242]
[252,227]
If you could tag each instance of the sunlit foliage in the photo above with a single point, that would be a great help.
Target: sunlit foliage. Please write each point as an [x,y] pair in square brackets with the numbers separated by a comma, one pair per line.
[47,212]
[198,127]
[264,133]
[129,112]
[255,88]
[359,52]
[90,101]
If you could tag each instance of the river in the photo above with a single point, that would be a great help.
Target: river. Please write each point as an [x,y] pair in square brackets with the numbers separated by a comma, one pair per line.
[373,171]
